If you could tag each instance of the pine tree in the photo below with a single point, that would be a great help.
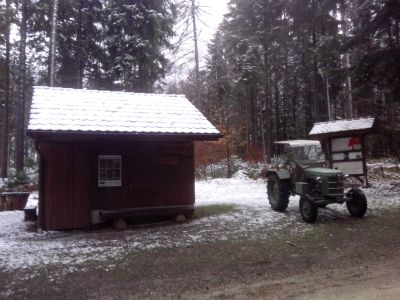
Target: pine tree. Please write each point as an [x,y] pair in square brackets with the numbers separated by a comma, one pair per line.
[137,32]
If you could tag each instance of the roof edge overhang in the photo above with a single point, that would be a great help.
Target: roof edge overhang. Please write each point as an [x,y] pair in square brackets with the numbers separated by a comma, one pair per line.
[46,135]
[298,142]
[343,133]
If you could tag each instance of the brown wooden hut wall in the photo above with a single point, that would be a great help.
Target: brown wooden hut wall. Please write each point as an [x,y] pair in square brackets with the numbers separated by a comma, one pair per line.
[154,174]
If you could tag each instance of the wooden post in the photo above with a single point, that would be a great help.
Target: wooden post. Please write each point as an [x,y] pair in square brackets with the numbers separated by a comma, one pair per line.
[365,170]
[41,188]
[329,150]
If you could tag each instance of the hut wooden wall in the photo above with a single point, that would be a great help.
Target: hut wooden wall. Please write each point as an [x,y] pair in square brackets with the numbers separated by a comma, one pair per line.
[154,174]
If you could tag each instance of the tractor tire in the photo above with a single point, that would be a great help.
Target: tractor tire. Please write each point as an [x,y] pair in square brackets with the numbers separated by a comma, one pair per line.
[308,209]
[357,206]
[278,192]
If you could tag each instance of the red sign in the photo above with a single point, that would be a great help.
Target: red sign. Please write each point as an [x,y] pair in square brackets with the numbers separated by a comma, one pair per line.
[354,141]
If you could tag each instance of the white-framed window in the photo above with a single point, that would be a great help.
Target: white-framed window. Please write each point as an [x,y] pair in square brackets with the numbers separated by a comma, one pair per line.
[109,170]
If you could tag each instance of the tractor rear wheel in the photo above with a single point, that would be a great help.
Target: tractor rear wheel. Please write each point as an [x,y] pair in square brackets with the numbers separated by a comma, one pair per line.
[278,192]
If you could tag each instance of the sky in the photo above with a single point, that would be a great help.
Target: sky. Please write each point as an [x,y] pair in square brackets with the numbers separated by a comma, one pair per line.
[212,16]
[212,13]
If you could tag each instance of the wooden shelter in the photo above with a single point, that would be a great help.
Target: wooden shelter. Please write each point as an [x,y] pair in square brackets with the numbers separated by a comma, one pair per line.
[107,155]
[344,141]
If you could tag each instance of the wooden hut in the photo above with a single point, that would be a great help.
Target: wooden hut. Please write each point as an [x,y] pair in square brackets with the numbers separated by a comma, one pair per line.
[107,155]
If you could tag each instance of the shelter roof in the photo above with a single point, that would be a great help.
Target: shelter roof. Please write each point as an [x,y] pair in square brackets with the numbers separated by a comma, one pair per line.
[298,143]
[58,110]
[343,126]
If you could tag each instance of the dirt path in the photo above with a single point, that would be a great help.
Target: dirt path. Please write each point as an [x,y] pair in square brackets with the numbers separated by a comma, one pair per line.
[370,281]
[365,264]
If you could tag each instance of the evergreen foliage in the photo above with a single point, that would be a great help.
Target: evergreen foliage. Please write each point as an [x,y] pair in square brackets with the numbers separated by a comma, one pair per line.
[99,44]
[279,66]
[274,66]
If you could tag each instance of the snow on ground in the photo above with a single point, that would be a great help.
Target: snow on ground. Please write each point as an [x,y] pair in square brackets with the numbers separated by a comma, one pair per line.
[251,218]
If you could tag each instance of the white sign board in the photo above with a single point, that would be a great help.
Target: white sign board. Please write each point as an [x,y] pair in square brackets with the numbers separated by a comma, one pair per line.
[346,144]
[347,155]
[349,167]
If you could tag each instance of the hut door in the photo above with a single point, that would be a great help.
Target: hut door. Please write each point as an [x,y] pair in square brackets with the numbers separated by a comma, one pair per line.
[144,181]
[66,186]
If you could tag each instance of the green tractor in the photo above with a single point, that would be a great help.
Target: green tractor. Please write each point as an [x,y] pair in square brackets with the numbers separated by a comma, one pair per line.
[300,170]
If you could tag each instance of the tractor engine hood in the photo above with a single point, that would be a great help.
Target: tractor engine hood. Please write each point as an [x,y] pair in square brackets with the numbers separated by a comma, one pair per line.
[321,172]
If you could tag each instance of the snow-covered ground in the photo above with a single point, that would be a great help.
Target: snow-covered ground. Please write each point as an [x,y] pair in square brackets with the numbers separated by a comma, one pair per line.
[251,218]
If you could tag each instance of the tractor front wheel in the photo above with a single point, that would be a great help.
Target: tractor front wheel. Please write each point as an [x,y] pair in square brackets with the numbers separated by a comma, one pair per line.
[357,205]
[308,209]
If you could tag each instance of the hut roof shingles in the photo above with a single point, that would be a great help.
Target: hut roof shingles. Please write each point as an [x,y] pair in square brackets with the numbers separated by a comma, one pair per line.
[360,124]
[80,110]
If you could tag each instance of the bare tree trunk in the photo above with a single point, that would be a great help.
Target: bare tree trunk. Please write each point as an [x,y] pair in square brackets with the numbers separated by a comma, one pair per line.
[277,110]
[196,54]
[79,46]
[308,114]
[328,97]
[285,96]
[52,52]
[228,156]
[295,96]
[389,30]
[253,115]
[349,97]
[267,99]
[19,155]
[6,113]
[268,111]
[263,136]
[348,107]
[315,73]
[246,114]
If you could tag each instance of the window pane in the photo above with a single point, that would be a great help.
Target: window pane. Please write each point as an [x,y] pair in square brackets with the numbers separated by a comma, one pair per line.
[109,163]
[116,164]
[117,174]
[103,163]
[109,170]
[102,174]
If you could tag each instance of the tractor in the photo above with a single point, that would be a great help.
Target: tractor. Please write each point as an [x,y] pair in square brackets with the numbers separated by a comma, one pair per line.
[301,170]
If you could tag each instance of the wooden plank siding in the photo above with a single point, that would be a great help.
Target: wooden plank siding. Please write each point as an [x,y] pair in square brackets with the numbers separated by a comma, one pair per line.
[154,174]
[177,175]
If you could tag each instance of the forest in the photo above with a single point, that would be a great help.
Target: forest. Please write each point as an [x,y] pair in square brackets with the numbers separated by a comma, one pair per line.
[273,69]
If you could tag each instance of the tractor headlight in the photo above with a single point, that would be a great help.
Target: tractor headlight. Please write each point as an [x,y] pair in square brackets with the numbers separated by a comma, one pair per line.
[346,177]
[318,180]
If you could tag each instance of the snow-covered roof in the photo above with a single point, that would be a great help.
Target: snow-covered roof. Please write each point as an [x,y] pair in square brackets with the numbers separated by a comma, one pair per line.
[298,143]
[78,110]
[342,126]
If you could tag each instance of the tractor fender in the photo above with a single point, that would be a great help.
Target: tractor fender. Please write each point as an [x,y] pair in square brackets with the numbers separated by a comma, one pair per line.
[282,174]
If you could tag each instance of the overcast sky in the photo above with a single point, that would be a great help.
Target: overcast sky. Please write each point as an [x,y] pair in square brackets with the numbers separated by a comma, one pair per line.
[214,11]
